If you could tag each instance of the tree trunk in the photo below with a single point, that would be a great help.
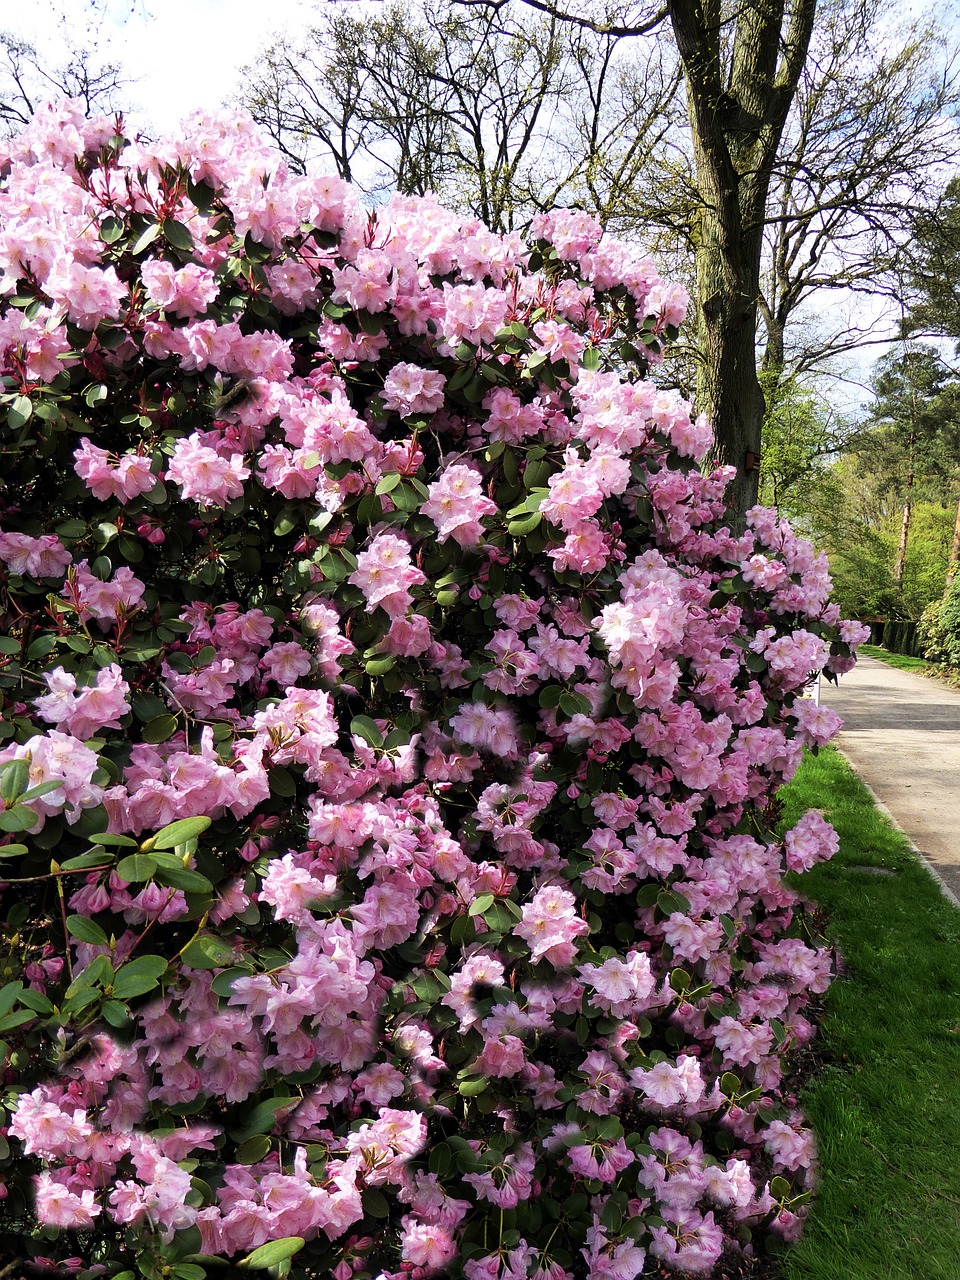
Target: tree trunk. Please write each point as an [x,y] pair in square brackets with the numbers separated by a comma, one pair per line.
[898,568]
[728,389]
[902,549]
[954,562]
[738,96]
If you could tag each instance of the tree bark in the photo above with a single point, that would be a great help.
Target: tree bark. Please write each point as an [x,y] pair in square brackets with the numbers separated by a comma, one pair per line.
[901,561]
[738,94]
[954,562]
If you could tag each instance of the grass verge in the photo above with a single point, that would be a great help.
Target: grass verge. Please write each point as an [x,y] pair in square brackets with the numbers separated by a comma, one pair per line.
[886,1106]
[899,660]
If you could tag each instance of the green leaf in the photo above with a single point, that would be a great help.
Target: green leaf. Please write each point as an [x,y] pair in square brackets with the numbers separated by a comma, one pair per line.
[14,776]
[41,789]
[110,838]
[98,972]
[95,858]
[268,1255]
[282,781]
[263,1117]
[520,528]
[254,1149]
[146,237]
[573,704]
[17,1019]
[138,976]
[86,930]
[222,985]
[177,235]
[17,819]
[9,995]
[135,868]
[175,833]
[36,1001]
[729,1084]
[181,877]
[18,415]
[381,665]
[375,1203]
[481,904]
[117,1014]
[111,229]
[160,728]
[207,952]
[365,728]
[473,1087]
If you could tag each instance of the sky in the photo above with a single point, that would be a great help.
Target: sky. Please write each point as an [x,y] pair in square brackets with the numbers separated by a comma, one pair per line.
[179,54]
[183,54]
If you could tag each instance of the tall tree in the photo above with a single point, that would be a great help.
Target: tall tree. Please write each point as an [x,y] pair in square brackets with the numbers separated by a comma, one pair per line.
[28,79]
[503,114]
[781,176]
[934,274]
[872,128]
[911,435]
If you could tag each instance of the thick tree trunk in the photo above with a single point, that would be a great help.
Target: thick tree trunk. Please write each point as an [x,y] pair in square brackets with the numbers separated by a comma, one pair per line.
[728,389]
[738,94]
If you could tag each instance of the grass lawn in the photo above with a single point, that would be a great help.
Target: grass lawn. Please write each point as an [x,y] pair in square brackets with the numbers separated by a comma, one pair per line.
[886,1108]
[900,660]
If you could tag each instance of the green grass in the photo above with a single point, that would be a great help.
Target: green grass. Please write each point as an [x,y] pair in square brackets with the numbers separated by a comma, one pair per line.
[899,660]
[886,1110]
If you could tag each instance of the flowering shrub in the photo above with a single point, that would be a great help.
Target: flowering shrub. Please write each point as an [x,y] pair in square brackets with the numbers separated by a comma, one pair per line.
[388,717]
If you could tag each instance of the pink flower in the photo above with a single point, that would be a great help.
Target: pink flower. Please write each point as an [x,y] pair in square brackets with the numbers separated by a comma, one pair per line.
[57,1206]
[385,574]
[410,389]
[549,924]
[456,505]
[44,557]
[812,840]
[131,477]
[88,294]
[491,729]
[85,711]
[211,479]
[427,1245]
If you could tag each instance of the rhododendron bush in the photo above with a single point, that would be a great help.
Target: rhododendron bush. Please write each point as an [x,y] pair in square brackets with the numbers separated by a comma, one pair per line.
[389,715]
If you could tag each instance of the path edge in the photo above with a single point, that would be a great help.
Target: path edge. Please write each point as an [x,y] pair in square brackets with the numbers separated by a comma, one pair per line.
[917,852]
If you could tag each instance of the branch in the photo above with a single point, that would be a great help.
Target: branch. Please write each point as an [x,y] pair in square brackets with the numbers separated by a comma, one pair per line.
[587,24]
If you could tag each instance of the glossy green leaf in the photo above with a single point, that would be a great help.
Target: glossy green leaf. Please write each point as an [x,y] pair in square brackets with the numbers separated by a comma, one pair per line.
[138,976]
[207,952]
[175,833]
[160,728]
[86,930]
[136,868]
[268,1255]
[363,727]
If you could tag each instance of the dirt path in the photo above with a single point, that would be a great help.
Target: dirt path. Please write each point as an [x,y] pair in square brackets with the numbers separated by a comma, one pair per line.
[902,735]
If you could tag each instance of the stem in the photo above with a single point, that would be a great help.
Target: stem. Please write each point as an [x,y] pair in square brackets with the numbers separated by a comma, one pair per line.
[66,935]
[55,875]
